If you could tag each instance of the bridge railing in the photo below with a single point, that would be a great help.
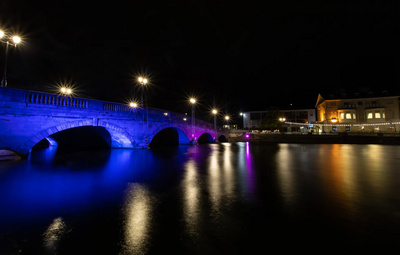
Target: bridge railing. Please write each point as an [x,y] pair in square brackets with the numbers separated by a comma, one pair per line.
[42,98]
[116,107]
[59,100]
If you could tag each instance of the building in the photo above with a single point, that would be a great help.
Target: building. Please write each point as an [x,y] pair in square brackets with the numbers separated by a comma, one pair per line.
[360,112]
[252,119]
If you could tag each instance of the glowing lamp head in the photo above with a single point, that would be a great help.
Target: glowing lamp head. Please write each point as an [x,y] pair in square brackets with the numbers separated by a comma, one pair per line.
[1,34]
[184,119]
[280,119]
[227,117]
[140,79]
[247,136]
[241,114]
[16,39]
[334,120]
[63,90]
[144,81]
[214,111]
[192,100]
[133,105]
[283,119]
[69,91]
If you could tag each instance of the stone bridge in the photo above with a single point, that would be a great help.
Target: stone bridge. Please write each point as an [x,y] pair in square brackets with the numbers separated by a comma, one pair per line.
[29,117]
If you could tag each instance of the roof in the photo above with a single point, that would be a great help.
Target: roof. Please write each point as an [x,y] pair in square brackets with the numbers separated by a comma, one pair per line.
[357,95]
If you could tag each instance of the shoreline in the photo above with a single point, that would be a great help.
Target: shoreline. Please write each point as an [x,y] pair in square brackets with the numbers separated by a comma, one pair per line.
[318,139]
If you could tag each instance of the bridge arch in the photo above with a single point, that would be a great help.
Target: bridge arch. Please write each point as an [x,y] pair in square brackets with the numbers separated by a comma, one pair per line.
[119,137]
[183,136]
[205,137]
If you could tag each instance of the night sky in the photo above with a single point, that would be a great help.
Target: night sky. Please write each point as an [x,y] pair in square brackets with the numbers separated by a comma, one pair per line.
[245,55]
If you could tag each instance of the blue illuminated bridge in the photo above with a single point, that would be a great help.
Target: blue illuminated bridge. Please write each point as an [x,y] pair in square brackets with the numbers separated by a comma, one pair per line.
[28,118]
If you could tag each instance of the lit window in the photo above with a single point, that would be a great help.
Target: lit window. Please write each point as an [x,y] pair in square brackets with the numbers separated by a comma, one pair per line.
[348,116]
[369,115]
[341,116]
[377,115]
[383,115]
[354,116]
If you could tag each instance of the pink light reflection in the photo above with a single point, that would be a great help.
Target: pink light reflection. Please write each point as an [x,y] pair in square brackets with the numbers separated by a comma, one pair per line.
[250,170]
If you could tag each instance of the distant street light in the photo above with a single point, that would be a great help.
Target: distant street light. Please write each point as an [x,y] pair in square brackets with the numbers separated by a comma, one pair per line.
[133,105]
[227,121]
[215,121]
[282,119]
[6,39]
[193,102]
[143,82]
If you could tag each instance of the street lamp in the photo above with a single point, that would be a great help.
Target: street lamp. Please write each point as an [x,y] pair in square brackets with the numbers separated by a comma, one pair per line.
[142,81]
[6,39]
[133,105]
[241,114]
[227,120]
[66,91]
[193,102]
[215,121]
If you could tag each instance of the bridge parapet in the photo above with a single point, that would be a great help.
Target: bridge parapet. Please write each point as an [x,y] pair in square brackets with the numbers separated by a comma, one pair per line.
[57,100]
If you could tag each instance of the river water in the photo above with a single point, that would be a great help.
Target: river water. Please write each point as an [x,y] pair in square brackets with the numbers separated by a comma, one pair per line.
[231,198]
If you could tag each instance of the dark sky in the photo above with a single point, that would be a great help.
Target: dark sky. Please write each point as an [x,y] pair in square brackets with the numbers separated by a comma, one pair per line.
[247,55]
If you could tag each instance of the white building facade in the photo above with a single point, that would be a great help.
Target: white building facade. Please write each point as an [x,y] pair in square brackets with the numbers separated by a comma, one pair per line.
[305,117]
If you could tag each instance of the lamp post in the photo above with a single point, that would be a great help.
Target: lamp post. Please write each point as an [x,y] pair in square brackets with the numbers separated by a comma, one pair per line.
[193,101]
[133,105]
[227,120]
[241,115]
[215,122]
[143,82]
[282,120]
[6,39]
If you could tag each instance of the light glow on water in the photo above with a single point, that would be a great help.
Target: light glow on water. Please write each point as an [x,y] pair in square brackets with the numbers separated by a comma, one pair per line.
[53,234]
[191,197]
[138,215]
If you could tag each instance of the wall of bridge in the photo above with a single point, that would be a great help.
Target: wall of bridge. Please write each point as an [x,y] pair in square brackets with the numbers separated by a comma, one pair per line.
[26,117]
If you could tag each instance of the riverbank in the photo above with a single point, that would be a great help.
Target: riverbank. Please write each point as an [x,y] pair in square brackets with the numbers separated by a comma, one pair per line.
[341,138]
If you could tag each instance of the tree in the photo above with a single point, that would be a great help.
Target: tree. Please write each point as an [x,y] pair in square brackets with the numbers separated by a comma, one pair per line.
[271,119]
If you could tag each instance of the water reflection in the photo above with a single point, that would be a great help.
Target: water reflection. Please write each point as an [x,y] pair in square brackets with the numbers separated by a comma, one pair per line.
[205,199]
[214,181]
[53,235]
[191,196]
[250,170]
[377,175]
[228,171]
[285,170]
[138,215]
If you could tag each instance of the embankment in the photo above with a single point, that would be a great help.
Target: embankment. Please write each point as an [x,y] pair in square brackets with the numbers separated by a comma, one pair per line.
[341,138]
